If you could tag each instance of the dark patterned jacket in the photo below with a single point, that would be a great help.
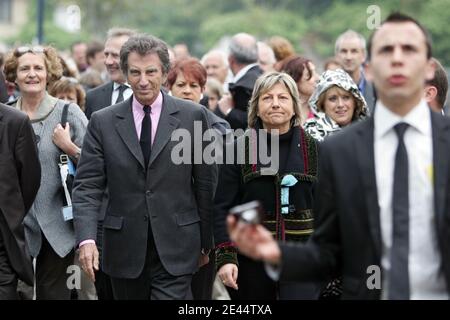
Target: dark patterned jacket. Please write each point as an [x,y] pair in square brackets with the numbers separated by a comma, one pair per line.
[241,183]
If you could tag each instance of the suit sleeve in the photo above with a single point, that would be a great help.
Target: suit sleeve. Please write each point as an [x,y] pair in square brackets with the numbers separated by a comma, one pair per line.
[88,104]
[227,196]
[318,258]
[205,182]
[27,163]
[89,183]
[3,91]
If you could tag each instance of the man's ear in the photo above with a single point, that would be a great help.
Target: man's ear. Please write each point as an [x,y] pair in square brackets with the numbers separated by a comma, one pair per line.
[430,93]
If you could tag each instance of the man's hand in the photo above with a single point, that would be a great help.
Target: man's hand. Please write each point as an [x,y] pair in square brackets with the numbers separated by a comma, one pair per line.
[89,259]
[226,104]
[254,241]
[228,273]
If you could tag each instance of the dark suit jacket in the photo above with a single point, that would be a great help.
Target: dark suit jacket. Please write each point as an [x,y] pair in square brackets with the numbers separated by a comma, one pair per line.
[176,199]
[370,96]
[20,173]
[3,92]
[242,92]
[98,98]
[347,236]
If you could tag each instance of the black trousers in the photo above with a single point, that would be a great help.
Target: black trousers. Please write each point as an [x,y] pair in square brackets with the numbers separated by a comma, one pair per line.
[154,283]
[203,279]
[102,282]
[255,284]
[8,278]
[51,273]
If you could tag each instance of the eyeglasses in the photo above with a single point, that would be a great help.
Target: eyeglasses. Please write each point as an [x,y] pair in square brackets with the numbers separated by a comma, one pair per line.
[26,49]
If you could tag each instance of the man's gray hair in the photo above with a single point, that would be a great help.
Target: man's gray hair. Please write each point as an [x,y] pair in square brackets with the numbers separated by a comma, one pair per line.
[349,34]
[219,53]
[243,48]
[144,44]
[120,32]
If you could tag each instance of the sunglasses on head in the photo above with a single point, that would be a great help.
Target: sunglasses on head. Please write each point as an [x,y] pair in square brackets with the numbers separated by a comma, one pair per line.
[26,49]
[70,79]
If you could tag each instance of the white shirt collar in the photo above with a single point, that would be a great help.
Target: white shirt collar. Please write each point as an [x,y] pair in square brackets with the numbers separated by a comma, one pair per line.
[385,119]
[116,85]
[242,72]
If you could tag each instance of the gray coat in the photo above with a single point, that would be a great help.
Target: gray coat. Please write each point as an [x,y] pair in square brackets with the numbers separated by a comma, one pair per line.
[45,214]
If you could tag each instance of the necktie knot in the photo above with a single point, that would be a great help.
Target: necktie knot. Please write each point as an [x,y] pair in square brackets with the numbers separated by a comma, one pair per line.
[400,129]
[122,88]
[147,109]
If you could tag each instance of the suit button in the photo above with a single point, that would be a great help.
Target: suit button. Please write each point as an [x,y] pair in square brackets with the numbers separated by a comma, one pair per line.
[148,193]
[145,218]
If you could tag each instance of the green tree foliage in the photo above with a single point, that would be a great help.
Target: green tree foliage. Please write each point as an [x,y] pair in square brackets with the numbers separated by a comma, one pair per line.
[311,25]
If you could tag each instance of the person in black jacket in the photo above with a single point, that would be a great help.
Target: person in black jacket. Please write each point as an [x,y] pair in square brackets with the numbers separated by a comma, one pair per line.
[20,173]
[243,61]
[284,187]
[382,206]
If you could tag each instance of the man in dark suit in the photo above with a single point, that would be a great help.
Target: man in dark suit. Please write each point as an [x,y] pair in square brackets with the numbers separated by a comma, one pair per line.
[158,223]
[112,92]
[116,90]
[382,218]
[3,91]
[243,61]
[20,173]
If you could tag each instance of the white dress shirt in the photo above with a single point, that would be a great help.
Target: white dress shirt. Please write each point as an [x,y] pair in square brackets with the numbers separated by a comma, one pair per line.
[242,72]
[115,94]
[425,274]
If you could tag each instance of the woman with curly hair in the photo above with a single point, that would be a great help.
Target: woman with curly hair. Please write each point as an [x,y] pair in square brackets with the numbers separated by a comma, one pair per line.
[50,238]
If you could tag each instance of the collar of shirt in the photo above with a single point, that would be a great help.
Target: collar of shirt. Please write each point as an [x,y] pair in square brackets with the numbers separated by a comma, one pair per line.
[116,85]
[138,114]
[385,119]
[45,107]
[242,72]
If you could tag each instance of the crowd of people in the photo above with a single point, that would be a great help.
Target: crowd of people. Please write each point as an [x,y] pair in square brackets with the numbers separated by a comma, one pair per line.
[359,170]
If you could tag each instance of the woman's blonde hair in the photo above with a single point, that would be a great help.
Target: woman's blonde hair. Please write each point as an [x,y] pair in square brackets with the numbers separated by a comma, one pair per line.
[264,84]
[359,105]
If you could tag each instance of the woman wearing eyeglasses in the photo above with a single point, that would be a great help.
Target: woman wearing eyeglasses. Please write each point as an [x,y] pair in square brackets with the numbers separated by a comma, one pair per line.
[50,239]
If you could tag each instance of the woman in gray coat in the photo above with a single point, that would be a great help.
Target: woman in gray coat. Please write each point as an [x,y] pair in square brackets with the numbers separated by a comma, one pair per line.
[49,237]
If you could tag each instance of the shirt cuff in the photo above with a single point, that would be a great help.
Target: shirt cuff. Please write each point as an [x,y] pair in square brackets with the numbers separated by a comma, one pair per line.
[82,243]
[273,271]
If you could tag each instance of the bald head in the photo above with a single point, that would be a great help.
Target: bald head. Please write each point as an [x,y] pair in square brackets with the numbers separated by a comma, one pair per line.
[243,48]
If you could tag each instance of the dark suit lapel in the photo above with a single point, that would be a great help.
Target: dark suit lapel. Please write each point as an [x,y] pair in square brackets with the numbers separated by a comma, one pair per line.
[127,130]
[441,132]
[167,124]
[366,163]
[107,91]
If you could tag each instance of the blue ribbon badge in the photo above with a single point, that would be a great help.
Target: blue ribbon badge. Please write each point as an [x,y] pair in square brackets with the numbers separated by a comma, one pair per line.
[287,182]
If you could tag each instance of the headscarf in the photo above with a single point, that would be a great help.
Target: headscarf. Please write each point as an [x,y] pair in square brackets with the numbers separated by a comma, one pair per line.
[322,125]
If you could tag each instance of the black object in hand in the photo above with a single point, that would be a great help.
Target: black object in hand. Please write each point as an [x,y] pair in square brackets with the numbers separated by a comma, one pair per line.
[251,212]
